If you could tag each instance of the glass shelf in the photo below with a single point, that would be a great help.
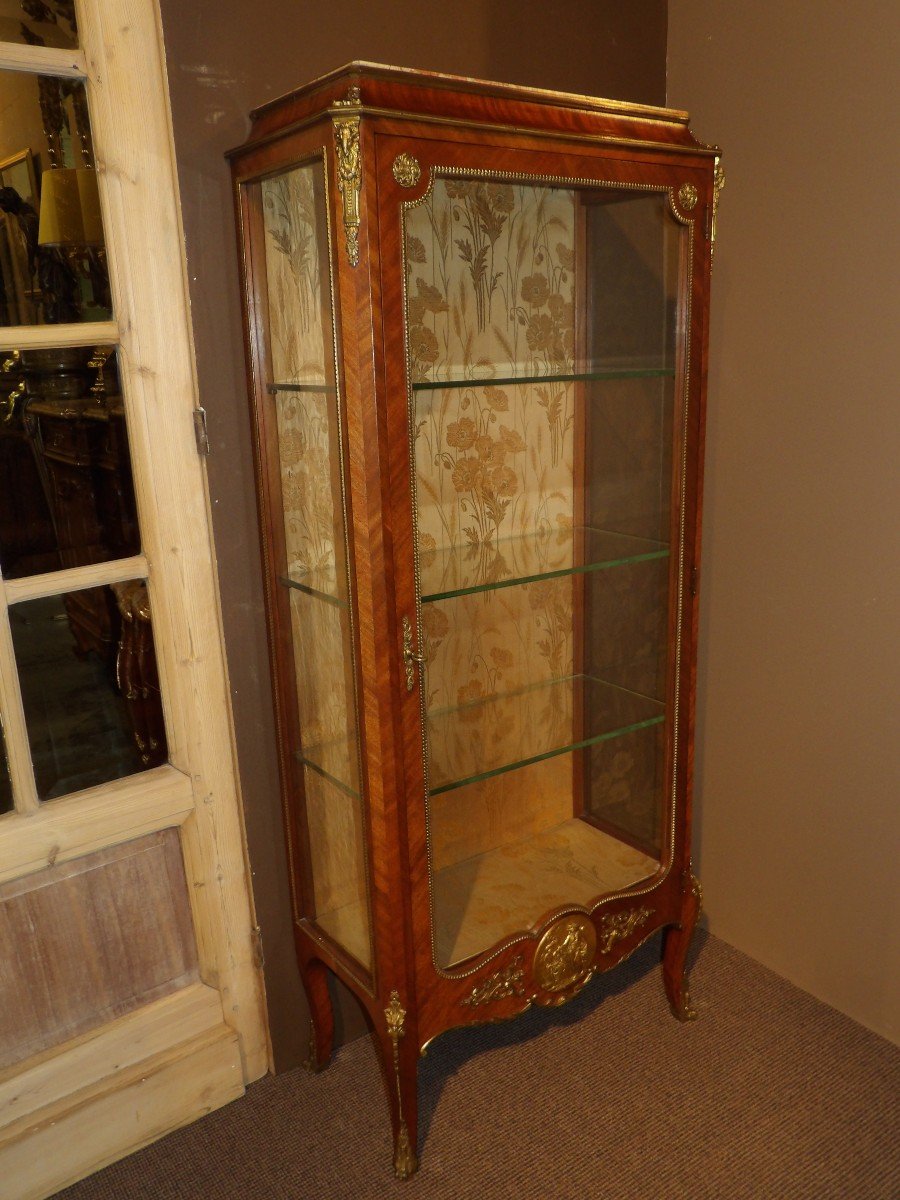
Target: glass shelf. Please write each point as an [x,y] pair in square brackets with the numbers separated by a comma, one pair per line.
[463,570]
[656,371]
[322,584]
[318,389]
[488,737]
[333,761]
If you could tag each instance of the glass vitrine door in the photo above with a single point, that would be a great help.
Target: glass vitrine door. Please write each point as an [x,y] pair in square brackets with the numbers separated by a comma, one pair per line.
[542,331]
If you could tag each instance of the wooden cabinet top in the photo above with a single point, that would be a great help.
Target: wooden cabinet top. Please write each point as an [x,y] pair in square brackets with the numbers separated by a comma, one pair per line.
[401,93]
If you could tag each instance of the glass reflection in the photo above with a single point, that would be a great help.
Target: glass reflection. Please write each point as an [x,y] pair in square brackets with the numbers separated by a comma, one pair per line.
[315,568]
[52,253]
[90,688]
[65,467]
[39,22]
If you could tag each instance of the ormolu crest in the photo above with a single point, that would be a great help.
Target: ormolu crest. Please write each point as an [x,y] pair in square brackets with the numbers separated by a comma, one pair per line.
[565,954]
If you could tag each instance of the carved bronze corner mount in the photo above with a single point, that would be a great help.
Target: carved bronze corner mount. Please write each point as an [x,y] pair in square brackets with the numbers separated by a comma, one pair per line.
[718,185]
[617,926]
[407,170]
[349,178]
[687,196]
[564,957]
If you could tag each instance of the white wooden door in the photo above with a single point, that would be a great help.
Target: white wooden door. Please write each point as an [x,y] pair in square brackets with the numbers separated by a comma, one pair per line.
[129,982]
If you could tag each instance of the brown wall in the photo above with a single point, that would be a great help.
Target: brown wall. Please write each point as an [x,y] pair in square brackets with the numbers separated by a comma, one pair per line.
[799,738]
[223,59]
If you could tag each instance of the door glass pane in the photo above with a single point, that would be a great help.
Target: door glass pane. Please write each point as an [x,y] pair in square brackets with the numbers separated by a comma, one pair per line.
[314,571]
[541,327]
[65,468]
[38,22]
[52,249]
[90,689]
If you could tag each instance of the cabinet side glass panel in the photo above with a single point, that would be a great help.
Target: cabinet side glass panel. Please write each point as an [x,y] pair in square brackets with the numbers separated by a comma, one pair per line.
[315,571]
[541,324]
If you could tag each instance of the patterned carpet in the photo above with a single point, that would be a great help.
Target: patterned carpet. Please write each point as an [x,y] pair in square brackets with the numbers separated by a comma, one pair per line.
[770,1094]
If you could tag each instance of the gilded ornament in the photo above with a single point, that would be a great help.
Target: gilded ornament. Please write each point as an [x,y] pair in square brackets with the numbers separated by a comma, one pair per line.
[410,658]
[405,1161]
[687,196]
[97,362]
[351,100]
[395,1015]
[696,888]
[682,1009]
[508,981]
[406,170]
[565,955]
[349,177]
[718,184]
[615,927]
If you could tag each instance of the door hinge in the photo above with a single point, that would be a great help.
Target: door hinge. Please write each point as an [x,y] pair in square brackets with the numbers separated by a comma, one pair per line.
[707,224]
[693,583]
[258,954]
[200,431]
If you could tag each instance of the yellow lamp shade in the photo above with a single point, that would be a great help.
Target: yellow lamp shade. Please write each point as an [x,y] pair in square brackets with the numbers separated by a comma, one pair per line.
[70,208]
[90,206]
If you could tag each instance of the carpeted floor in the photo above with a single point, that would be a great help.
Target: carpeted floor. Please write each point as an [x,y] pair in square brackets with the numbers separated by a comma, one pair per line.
[768,1095]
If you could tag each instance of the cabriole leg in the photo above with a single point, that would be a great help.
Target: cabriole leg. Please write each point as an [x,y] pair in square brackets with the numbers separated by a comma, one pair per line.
[677,940]
[321,1024]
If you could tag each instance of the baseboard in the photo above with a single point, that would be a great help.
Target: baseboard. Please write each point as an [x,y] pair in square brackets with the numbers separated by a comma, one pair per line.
[51,1143]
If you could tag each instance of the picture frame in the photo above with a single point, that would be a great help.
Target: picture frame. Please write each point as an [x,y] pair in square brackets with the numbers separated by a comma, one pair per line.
[19,296]
[17,171]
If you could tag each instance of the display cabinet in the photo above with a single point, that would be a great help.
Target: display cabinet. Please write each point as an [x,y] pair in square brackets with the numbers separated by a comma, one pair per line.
[476,325]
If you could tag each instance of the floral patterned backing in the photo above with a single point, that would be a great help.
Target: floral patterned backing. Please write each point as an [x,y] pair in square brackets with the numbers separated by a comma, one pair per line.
[293,213]
[490,293]
[301,353]
[498,363]
[490,280]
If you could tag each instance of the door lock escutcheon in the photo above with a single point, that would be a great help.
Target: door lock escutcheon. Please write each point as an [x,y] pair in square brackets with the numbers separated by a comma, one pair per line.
[410,658]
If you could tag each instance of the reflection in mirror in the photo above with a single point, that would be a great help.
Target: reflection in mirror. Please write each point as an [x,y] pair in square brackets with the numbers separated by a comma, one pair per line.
[52,251]
[65,467]
[90,688]
[39,22]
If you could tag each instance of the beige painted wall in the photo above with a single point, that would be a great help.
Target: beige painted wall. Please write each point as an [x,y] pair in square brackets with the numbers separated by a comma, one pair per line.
[798,766]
